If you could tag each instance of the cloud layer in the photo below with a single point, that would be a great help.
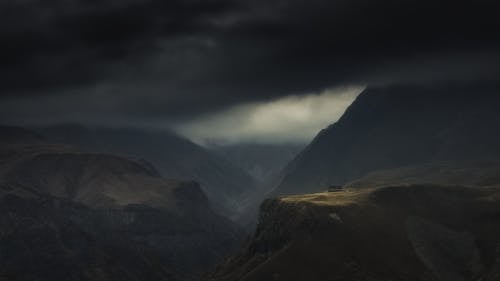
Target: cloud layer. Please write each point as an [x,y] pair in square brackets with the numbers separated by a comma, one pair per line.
[292,119]
[153,60]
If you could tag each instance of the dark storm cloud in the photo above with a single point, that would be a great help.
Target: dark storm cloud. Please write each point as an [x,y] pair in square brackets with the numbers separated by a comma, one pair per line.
[307,43]
[154,58]
[51,43]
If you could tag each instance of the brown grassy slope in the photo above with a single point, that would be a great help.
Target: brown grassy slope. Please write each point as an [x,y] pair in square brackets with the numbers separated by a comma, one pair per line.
[471,174]
[419,232]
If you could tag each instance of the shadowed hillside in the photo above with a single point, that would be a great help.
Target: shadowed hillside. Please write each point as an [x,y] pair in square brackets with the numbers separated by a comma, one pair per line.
[72,215]
[225,184]
[399,126]
[417,232]
[473,174]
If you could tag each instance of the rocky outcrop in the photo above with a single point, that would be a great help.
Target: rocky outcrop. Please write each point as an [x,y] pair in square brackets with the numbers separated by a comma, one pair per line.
[418,232]
[45,238]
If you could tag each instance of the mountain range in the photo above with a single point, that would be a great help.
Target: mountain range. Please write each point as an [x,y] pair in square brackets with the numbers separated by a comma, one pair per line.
[264,162]
[68,214]
[405,186]
[175,157]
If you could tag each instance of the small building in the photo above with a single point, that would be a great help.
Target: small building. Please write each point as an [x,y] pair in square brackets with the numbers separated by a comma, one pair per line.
[334,188]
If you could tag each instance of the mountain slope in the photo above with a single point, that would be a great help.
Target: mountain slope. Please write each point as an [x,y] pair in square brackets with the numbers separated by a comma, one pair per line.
[73,215]
[417,232]
[15,134]
[175,157]
[262,161]
[474,174]
[399,126]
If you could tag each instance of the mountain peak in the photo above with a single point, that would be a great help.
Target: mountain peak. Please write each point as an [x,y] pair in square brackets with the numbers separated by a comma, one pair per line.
[398,126]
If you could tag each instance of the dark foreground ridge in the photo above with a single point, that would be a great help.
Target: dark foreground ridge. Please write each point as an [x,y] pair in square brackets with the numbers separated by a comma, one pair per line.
[415,232]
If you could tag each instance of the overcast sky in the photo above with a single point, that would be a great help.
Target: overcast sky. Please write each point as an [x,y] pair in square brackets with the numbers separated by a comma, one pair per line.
[192,62]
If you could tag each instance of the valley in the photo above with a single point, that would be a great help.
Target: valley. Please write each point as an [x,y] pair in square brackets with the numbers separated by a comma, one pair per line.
[397,189]
[234,140]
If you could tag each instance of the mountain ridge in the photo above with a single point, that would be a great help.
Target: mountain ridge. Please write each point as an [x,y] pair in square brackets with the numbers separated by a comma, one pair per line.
[175,157]
[68,214]
[398,126]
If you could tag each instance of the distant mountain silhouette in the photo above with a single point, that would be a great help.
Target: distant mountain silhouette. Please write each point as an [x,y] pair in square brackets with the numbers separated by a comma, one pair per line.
[262,161]
[225,184]
[13,134]
[398,126]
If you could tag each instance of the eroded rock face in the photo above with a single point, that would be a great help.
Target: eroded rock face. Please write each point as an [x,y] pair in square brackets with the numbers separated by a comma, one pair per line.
[71,215]
[411,233]
[50,239]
